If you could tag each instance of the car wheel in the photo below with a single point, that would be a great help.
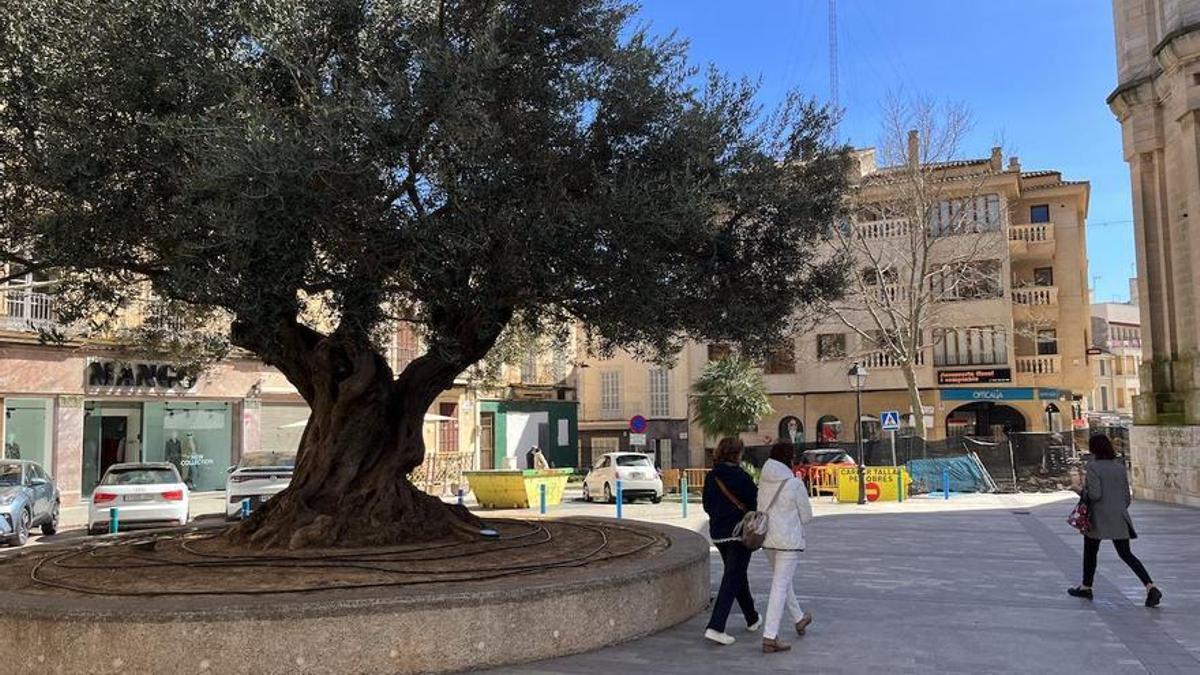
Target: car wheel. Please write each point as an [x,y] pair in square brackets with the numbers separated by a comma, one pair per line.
[96,530]
[586,496]
[21,536]
[656,499]
[608,495]
[51,525]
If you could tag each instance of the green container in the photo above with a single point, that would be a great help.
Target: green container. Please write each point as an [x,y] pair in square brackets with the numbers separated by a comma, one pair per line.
[517,489]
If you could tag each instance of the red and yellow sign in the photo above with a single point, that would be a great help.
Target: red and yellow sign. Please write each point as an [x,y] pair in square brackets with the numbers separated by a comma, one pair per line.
[883,483]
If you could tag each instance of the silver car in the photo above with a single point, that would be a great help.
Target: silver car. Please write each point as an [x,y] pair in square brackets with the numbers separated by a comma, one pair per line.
[28,499]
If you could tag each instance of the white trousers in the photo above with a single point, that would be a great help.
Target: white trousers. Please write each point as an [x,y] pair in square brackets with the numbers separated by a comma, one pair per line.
[783,591]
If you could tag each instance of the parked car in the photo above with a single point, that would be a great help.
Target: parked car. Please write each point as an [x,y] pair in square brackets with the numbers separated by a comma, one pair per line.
[639,478]
[821,457]
[145,494]
[258,477]
[28,499]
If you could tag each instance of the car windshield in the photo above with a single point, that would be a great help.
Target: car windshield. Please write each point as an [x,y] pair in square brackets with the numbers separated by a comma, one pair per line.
[258,459]
[10,474]
[140,476]
[633,460]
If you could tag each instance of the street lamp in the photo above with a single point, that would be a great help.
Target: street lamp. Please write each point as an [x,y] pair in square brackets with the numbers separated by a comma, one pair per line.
[858,380]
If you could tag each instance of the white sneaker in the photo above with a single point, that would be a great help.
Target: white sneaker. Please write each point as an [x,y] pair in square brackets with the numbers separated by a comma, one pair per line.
[719,638]
[754,626]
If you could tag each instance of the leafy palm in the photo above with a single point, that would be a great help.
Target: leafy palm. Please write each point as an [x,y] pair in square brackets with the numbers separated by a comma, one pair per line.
[729,397]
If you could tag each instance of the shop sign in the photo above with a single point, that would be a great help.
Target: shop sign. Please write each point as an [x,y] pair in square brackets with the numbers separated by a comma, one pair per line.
[883,483]
[124,375]
[1009,394]
[975,376]
[1094,351]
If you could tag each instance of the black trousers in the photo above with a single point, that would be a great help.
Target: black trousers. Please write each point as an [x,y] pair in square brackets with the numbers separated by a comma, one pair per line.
[735,585]
[1091,548]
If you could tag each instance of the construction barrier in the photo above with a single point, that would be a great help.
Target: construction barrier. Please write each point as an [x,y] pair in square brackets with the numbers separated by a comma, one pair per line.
[883,483]
[822,480]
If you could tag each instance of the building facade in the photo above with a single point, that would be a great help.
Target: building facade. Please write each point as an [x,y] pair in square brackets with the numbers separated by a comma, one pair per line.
[1008,354]
[1116,357]
[1157,102]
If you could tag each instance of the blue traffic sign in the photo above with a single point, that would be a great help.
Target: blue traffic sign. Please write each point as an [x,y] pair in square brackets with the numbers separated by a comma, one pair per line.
[638,424]
[890,420]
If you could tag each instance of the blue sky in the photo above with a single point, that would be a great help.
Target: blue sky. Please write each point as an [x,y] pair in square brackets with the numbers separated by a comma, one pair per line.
[1034,73]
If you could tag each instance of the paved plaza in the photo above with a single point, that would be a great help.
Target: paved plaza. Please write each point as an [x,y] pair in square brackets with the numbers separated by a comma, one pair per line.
[956,591]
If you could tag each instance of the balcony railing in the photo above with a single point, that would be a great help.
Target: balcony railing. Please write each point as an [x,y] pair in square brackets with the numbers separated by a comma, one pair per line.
[1035,295]
[27,311]
[1033,233]
[885,360]
[889,293]
[884,229]
[1039,365]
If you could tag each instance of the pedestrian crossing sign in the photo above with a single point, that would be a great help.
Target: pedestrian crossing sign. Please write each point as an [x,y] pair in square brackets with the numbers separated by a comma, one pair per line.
[890,420]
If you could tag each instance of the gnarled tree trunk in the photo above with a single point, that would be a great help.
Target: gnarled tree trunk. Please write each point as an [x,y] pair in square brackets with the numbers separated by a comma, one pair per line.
[364,437]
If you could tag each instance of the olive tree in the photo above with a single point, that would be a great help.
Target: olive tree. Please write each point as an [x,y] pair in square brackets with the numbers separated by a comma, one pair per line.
[464,165]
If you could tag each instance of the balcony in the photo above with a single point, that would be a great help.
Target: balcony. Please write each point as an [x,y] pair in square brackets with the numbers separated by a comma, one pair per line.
[884,229]
[1034,239]
[1035,296]
[1039,365]
[885,360]
[25,310]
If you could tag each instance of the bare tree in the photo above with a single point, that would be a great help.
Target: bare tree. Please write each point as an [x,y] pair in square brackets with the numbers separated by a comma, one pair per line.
[925,233]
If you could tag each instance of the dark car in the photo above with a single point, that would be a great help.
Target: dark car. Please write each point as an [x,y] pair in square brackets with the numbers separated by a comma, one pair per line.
[28,499]
[820,457]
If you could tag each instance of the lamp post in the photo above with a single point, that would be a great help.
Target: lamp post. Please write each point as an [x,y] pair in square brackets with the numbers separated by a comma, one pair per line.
[858,379]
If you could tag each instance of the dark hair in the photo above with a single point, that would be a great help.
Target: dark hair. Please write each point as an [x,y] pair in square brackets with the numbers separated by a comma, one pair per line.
[783,451]
[729,449]
[1101,447]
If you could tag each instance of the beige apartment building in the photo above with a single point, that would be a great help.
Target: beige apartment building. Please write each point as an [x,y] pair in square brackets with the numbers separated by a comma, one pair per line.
[1157,101]
[1116,357]
[1012,358]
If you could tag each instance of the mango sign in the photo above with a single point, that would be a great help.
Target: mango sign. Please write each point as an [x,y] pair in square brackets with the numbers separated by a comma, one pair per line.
[882,483]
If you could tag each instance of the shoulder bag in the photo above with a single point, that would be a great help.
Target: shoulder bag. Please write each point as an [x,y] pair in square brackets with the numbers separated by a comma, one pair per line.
[752,530]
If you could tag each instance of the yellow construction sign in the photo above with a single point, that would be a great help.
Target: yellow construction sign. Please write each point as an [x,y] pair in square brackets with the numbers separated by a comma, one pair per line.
[883,483]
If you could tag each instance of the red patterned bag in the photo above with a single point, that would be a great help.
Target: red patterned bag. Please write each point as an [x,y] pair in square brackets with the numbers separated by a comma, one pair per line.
[1081,517]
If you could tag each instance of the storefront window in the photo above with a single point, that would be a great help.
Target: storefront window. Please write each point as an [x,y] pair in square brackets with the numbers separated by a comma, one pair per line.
[196,437]
[281,426]
[27,430]
[112,433]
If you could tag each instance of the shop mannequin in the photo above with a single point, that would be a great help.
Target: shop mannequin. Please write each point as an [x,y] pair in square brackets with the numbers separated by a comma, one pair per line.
[173,453]
[191,454]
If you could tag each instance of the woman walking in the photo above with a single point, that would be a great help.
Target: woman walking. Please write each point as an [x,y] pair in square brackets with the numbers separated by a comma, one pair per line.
[788,511]
[728,494]
[1106,493]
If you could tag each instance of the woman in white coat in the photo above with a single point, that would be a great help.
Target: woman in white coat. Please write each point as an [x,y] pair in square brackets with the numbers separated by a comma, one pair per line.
[785,501]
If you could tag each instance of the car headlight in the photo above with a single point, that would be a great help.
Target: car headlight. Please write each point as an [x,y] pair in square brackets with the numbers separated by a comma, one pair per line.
[5,500]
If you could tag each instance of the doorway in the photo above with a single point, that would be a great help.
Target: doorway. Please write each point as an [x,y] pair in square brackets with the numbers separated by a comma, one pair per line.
[984,418]
[112,434]
[487,441]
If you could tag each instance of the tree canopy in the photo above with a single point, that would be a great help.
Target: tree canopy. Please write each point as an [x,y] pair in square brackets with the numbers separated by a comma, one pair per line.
[458,163]
[730,396]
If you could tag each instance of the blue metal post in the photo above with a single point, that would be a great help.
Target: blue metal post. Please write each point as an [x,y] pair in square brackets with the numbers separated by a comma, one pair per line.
[946,483]
[683,493]
[113,521]
[542,498]
[460,496]
[245,508]
[620,498]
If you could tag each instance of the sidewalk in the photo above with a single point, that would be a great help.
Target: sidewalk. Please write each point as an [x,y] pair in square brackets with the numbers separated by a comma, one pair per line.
[921,589]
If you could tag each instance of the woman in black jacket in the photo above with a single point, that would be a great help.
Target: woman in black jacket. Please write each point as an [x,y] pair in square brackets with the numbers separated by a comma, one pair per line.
[729,492]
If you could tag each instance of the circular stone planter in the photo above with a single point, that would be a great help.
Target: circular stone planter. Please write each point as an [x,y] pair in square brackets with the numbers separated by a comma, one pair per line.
[413,629]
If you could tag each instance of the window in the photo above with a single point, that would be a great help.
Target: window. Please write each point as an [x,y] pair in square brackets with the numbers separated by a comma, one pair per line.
[1043,276]
[610,395]
[1103,368]
[1120,398]
[829,429]
[873,276]
[831,346]
[781,360]
[448,429]
[1118,366]
[634,460]
[977,280]
[559,366]
[1039,213]
[1130,365]
[601,446]
[403,348]
[717,352]
[660,392]
[1047,342]
[965,216]
[529,368]
[1104,398]
[974,346]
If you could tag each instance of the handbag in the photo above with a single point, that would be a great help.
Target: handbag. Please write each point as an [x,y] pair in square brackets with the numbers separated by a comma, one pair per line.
[752,530]
[1081,517]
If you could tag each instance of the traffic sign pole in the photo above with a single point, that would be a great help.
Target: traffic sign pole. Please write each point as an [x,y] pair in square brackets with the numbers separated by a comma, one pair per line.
[893,434]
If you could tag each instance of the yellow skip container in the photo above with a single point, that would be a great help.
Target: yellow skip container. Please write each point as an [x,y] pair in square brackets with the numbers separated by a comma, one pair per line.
[517,489]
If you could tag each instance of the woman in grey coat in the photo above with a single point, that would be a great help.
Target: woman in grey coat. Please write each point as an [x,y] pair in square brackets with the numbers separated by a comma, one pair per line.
[1106,492]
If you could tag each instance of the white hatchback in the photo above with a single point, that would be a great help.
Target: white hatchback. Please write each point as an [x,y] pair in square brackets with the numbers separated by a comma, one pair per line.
[258,477]
[145,494]
[636,472]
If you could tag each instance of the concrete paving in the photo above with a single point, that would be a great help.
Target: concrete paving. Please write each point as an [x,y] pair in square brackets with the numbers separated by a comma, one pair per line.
[955,587]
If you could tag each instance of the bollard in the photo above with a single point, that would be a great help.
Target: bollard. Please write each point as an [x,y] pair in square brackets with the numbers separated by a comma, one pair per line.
[460,496]
[113,521]
[900,486]
[683,494]
[620,499]
[245,509]
[542,498]
[946,483]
